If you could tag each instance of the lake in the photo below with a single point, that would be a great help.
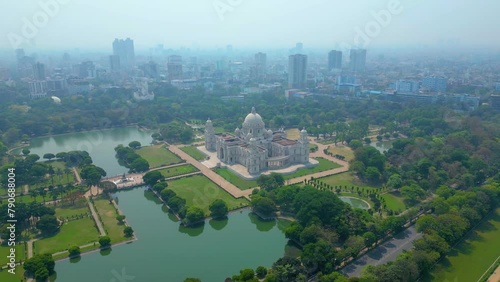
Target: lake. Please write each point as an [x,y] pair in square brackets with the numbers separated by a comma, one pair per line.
[100,144]
[167,252]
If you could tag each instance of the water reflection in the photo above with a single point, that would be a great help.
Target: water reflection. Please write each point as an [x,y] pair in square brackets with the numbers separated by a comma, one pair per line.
[150,196]
[192,231]
[218,224]
[262,225]
[75,259]
[105,252]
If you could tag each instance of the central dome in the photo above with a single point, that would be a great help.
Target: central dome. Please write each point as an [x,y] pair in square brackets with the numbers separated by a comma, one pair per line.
[253,120]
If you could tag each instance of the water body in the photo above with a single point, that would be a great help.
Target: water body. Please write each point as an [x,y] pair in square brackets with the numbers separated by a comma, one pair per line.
[355,203]
[382,146]
[100,144]
[167,252]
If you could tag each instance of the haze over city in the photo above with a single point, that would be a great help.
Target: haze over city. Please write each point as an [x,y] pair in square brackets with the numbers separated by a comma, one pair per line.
[249,24]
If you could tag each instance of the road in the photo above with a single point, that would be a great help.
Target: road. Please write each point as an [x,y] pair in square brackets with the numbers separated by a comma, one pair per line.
[384,253]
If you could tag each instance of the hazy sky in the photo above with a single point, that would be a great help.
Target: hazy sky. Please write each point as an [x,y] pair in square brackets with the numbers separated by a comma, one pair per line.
[93,24]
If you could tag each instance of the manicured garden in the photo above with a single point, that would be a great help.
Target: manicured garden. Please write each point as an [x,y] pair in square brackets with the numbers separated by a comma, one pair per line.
[107,214]
[323,165]
[66,211]
[200,191]
[343,151]
[394,201]
[193,152]
[158,155]
[73,233]
[178,170]
[234,179]
[473,256]
[5,251]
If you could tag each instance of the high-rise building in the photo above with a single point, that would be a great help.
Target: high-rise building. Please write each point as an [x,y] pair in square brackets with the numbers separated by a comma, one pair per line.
[150,70]
[297,68]
[38,89]
[260,65]
[174,67]
[357,60]
[406,86]
[39,71]
[299,47]
[435,83]
[125,50]
[334,60]
[114,63]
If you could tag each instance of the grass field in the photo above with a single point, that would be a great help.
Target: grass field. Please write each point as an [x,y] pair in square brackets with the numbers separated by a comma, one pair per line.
[394,202]
[77,232]
[108,215]
[193,152]
[5,251]
[237,181]
[200,191]
[322,166]
[178,170]
[472,257]
[66,211]
[158,155]
[7,277]
[65,178]
[342,150]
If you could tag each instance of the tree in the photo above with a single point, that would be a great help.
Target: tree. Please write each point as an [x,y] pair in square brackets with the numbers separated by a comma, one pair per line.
[354,144]
[263,205]
[261,272]
[139,165]
[166,194]
[92,174]
[47,224]
[218,209]
[128,231]
[370,238]
[49,156]
[367,140]
[120,218]
[158,187]
[412,193]
[153,177]
[135,145]
[372,174]
[270,182]
[41,266]
[26,151]
[74,251]
[194,214]
[104,241]
[394,181]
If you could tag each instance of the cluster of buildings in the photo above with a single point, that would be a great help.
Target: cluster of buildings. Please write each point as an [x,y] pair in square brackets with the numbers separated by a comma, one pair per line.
[299,74]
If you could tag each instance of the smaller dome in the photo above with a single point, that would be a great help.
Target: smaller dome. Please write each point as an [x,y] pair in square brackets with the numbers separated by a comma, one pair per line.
[237,129]
[252,139]
[303,130]
[209,120]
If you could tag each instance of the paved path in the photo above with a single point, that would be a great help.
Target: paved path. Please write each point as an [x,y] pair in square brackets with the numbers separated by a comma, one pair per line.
[320,154]
[384,253]
[96,218]
[219,180]
[77,176]
[495,277]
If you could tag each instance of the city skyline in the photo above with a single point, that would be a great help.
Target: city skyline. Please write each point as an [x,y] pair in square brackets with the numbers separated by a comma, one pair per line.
[214,24]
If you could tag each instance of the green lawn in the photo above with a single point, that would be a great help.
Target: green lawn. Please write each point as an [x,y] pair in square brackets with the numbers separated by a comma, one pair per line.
[200,191]
[5,251]
[323,165]
[237,181]
[346,179]
[65,178]
[193,152]
[472,257]
[341,150]
[56,164]
[178,170]
[67,210]
[77,232]
[108,215]
[158,155]
[8,277]
[394,202]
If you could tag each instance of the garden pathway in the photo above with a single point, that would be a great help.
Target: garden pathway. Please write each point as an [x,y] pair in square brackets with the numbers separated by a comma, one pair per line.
[217,179]
[96,218]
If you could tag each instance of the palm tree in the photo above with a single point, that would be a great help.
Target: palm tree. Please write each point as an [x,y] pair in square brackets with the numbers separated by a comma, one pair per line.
[42,192]
[67,171]
[33,194]
[51,173]
[59,172]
